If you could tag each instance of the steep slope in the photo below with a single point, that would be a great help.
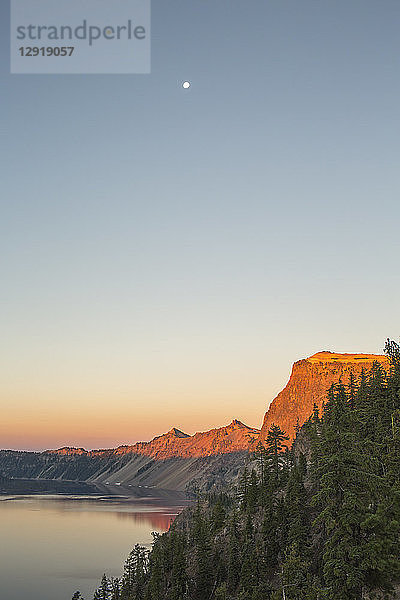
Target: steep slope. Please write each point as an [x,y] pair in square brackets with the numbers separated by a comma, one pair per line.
[172,460]
[176,460]
[176,473]
[308,384]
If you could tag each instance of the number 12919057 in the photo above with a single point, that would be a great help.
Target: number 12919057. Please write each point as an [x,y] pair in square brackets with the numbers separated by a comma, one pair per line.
[46,51]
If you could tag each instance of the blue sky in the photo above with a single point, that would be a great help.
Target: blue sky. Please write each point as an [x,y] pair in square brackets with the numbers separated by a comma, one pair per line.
[166,254]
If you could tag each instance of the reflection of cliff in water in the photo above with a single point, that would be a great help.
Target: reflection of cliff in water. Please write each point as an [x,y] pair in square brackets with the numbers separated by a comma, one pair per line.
[64,543]
[156,520]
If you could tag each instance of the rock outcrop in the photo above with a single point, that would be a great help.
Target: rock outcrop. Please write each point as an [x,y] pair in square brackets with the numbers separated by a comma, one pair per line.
[309,383]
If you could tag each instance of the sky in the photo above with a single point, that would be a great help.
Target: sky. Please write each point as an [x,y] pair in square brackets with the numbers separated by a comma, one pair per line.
[166,254]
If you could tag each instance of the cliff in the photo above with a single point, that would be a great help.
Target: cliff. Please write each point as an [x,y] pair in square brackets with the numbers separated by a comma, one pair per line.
[309,383]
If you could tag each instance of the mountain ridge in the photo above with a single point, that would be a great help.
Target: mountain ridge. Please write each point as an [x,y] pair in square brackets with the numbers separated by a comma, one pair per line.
[176,460]
[176,444]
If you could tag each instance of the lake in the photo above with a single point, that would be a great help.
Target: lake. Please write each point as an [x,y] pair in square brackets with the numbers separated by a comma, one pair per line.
[53,545]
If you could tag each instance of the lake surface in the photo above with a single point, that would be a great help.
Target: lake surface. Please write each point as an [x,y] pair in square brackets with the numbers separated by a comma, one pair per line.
[52,546]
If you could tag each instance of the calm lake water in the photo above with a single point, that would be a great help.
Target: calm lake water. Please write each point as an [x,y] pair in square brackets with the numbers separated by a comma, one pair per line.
[52,546]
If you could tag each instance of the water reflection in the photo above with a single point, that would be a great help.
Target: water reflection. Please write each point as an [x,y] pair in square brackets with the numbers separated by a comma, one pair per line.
[157,517]
[156,520]
[61,544]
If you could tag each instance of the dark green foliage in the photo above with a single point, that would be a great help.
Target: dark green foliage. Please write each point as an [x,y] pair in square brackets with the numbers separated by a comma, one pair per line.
[297,513]
[104,591]
[321,528]
[134,579]
[115,588]
[218,515]
[274,448]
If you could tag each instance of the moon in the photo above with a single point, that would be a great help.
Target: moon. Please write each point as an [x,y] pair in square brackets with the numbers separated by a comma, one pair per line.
[186,85]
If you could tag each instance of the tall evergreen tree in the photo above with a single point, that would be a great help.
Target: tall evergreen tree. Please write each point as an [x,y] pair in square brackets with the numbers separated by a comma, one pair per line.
[274,447]
[341,499]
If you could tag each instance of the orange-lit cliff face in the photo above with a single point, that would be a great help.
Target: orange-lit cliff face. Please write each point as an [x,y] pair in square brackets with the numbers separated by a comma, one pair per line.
[175,444]
[232,438]
[67,451]
[308,384]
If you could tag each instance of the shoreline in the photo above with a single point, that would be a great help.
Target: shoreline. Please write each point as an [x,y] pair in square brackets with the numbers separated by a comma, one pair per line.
[80,490]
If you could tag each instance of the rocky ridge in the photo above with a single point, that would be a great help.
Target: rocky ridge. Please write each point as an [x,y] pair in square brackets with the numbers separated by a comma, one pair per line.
[234,437]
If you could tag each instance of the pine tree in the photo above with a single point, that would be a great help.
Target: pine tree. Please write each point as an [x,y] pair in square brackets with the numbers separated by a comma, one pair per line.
[275,446]
[203,567]
[103,592]
[352,390]
[233,555]
[315,416]
[270,547]
[252,493]
[178,569]
[261,457]
[218,515]
[297,510]
[243,487]
[158,568]
[134,578]
[341,499]
[115,588]
[296,582]
[248,571]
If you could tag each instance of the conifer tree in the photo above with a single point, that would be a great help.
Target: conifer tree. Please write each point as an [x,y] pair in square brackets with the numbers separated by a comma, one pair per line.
[218,515]
[115,588]
[341,499]
[315,416]
[261,457]
[297,510]
[275,446]
[296,582]
[203,567]
[103,592]
[233,555]
[135,574]
[178,568]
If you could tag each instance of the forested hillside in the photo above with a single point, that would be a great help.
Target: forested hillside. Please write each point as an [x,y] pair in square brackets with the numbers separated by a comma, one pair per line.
[318,521]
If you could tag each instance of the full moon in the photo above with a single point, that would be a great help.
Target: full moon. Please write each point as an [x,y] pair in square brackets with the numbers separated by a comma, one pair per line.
[186,85]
